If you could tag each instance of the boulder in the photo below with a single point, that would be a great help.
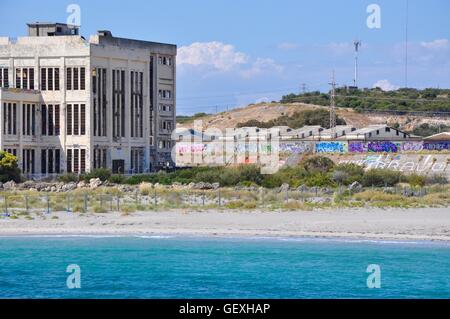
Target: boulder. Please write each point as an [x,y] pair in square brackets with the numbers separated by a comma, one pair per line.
[283,188]
[68,187]
[94,183]
[215,185]
[81,184]
[9,185]
[355,187]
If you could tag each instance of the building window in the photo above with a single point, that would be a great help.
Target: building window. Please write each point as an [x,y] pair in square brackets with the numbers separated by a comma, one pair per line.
[100,158]
[118,103]
[9,118]
[50,79]
[76,119]
[76,160]
[25,78]
[163,60]
[28,158]
[136,109]
[50,117]
[75,78]
[50,161]
[4,80]
[165,94]
[28,119]
[165,108]
[99,101]
[12,151]
[137,160]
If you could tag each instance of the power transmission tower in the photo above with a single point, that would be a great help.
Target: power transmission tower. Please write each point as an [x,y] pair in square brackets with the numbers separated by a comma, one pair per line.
[333,107]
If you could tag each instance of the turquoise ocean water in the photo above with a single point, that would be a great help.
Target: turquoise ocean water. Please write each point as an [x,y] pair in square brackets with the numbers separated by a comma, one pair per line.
[195,267]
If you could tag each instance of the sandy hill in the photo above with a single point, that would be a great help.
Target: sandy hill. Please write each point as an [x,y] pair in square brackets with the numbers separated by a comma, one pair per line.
[267,111]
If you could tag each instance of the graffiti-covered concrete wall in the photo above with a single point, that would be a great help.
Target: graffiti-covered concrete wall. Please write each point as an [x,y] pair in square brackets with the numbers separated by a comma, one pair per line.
[331,147]
[407,163]
[384,147]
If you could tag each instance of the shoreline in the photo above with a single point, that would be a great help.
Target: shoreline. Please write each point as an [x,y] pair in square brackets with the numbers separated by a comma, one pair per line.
[418,224]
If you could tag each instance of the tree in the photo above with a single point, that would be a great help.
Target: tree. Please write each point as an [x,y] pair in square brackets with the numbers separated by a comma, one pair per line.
[9,169]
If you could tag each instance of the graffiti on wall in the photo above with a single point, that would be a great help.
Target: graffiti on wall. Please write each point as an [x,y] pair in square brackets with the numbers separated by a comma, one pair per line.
[189,148]
[357,147]
[296,147]
[383,147]
[331,147]
[436,146]
[412,146]
[404,163]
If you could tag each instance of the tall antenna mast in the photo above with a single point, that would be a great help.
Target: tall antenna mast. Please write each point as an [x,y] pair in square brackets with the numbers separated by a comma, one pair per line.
[357,44]
[406,44]
[333,107]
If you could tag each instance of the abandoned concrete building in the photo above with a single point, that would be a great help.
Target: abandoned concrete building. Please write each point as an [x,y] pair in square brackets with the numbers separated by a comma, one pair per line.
[72,105]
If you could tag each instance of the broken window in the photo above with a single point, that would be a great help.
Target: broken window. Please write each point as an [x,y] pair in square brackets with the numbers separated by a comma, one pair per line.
[23,80]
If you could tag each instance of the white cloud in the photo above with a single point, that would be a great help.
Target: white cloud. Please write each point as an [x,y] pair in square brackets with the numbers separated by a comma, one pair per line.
[440,44]
[224,58]
[385,85]
[221,56]
[286,46]
[260,66]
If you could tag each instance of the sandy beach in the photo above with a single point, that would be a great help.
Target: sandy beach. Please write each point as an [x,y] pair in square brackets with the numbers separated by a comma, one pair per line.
[397,224]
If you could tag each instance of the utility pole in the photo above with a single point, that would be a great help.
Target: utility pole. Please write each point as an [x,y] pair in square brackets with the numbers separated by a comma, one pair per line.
[357,44]
[333,107]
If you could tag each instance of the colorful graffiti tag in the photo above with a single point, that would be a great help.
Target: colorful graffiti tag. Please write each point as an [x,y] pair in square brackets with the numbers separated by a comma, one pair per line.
[383,147]
[296,147]
[331,147]
[357,147]
[436,146]
[412,146]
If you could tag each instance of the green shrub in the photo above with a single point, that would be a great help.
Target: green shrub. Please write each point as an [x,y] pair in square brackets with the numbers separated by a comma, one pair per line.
[416,180]
[436,179]
[117,179]
[68,177]
[102,173]
[348,173]
[381,177]
[320,180]
[9,169]
[315,164]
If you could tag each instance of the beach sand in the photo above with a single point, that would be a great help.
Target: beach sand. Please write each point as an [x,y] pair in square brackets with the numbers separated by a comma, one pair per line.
[370,223]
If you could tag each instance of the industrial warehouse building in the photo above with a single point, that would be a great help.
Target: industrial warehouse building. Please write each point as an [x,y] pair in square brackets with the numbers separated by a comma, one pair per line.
[70,105]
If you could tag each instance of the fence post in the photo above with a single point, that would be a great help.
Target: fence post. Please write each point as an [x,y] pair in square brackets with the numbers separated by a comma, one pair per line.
[220,204]
[26,203]
[6,206]
[68,203]
[85,202]
[48,205]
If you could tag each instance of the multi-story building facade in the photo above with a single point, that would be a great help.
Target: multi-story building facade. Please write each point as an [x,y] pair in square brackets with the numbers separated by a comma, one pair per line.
[72,105]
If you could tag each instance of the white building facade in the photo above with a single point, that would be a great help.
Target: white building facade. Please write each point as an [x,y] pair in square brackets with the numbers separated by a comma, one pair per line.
[72,105]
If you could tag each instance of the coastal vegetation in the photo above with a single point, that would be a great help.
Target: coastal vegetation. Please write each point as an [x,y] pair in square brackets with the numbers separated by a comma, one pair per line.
[375,99]
[298,119]
[314,171]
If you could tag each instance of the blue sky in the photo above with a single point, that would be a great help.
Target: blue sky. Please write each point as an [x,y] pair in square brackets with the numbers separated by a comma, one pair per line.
[236,52]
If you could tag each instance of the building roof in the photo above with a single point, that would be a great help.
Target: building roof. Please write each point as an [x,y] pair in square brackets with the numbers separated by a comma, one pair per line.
[443,136]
